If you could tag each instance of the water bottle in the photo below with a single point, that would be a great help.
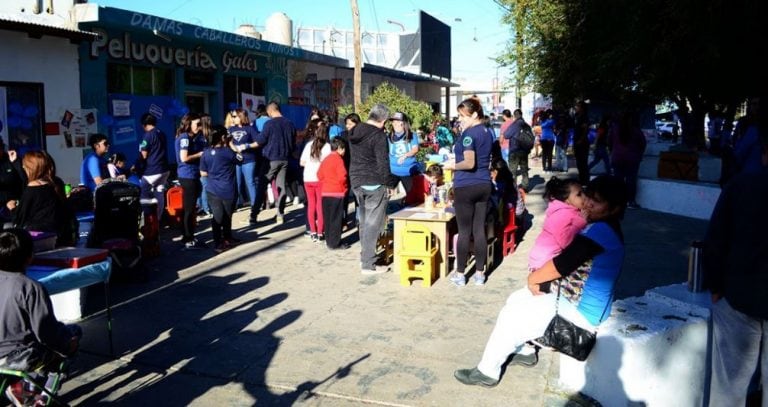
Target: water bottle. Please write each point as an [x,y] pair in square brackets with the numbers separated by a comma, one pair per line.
[695,275]
[433,193]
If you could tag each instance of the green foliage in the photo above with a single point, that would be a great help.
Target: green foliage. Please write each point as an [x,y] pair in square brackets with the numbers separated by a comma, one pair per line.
[419,113]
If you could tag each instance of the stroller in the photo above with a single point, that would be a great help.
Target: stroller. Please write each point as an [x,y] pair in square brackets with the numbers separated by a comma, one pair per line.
[116,217]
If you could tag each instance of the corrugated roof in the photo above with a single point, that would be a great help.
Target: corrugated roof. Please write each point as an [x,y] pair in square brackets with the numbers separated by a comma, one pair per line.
[34,24]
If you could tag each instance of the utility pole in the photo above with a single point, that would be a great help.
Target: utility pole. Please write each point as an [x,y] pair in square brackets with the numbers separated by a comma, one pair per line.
[358,75]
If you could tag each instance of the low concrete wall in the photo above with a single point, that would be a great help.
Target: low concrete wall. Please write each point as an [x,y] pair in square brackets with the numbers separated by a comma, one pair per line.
[652,350]
[695,200]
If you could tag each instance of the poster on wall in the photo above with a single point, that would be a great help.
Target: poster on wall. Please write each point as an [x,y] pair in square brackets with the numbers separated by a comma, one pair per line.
[323,95]
[250,102]
[3,117]
[77,125]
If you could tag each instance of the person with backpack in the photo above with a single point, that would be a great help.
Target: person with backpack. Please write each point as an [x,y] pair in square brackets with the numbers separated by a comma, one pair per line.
[521,139]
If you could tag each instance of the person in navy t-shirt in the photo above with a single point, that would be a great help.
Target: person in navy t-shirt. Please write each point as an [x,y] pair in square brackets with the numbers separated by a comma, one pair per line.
[472,189]
[189,148]
[153,162]
[218,164]
[243,137]
[94,168]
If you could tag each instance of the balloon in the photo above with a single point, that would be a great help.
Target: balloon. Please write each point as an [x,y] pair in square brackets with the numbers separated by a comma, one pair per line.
[232,106]
[107,120]
[14,121]
[31,111]
[16,108]
[184,110]
[26,124]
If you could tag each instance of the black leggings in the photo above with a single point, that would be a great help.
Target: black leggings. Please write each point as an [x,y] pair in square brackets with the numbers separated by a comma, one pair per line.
[191,188]
[471,203]
[547,147]
[221,225]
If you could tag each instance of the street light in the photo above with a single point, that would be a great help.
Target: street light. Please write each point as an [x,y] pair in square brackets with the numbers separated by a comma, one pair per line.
[397,23]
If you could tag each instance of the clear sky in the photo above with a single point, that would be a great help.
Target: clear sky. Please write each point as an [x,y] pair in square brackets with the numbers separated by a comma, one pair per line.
[476,29]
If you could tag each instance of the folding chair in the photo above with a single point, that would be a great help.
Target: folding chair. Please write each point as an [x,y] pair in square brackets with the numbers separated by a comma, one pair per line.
[7,379]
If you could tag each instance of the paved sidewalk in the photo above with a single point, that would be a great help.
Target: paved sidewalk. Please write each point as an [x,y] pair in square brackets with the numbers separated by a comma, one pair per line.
[282,321]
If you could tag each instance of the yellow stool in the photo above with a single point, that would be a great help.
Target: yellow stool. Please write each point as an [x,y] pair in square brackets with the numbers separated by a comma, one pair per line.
[418,257]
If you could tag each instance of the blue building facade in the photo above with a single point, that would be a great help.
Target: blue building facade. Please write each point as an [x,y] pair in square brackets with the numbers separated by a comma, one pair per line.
[142,63]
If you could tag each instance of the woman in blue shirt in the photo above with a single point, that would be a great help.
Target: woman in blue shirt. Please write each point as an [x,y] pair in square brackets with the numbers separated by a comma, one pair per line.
[586,272]
[189,148]
[243,136]
[403,147]
[472,189]
[218,164]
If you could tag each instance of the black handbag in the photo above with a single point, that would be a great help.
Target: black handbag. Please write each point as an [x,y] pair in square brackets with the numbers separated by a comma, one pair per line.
[565,337]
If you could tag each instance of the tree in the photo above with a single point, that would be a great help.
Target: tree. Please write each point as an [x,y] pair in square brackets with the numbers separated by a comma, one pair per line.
[693,52]
[420,113]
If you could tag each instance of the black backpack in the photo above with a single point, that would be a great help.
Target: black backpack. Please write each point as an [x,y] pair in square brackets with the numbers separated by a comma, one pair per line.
[525,138]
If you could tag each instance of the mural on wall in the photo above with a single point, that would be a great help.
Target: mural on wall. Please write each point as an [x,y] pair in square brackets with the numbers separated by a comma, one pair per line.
[323,95]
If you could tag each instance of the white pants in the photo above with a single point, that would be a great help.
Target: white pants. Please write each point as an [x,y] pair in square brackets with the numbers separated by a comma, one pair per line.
[736,342]
[153,186]
[523,318]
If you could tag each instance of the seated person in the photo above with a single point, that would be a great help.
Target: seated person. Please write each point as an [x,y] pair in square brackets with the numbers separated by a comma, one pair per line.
[422,184]
[43,206]
[116,167]
[31,339]
[10,182]
[505,195]
[94,167]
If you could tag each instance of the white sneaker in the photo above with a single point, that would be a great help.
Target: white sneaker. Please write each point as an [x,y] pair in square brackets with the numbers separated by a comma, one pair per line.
[375,270]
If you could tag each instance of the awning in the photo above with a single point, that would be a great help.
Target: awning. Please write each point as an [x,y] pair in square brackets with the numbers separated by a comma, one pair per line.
[37,27]
[393,73]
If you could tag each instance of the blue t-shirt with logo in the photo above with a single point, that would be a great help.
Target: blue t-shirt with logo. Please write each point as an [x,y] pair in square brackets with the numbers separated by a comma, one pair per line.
[219,163]
[93,166]
[193,145]
[244,135]
[154,144]
[398,146]
[478,139]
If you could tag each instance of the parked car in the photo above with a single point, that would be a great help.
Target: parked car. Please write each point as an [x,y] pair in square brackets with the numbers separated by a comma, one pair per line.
[666,130]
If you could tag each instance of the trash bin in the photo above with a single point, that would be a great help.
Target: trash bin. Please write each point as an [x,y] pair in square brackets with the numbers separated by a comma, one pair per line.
[695,276]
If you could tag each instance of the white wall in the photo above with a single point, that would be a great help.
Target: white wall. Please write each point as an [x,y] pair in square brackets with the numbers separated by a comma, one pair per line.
[59,12]
[53,62]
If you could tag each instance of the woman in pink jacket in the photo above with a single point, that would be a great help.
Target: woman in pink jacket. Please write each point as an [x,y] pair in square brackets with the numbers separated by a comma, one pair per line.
[564,220]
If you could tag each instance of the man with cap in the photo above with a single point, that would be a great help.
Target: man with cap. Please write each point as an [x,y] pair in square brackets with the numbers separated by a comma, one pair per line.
[403,147]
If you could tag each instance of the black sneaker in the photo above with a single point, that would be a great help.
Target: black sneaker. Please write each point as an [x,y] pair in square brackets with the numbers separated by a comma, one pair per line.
[524,360]
[474,377]
[342,246]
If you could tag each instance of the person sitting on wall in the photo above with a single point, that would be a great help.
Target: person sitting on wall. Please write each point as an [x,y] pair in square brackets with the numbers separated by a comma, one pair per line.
[94,168]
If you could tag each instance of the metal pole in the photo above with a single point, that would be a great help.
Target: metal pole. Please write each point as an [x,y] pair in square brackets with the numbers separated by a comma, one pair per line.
[358,75]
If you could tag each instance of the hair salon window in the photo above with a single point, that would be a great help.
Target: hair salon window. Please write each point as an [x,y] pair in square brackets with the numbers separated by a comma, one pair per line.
[22,115]
[235,85]
[139,80]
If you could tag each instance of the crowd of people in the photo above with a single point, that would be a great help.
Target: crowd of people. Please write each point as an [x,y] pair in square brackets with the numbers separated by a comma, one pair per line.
[573,266]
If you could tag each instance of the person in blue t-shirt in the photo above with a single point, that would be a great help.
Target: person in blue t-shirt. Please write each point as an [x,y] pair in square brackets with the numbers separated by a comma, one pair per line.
[153,162]
[403,147]
[472,189]
[189,148]
[218,164]
[94,168]
[261,117]
[243,137]
[586,272]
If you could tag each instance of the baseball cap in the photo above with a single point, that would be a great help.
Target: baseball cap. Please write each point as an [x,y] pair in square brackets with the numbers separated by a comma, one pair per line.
[399,116]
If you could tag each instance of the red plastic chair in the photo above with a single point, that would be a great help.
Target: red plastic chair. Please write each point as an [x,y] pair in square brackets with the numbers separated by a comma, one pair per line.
[507,234]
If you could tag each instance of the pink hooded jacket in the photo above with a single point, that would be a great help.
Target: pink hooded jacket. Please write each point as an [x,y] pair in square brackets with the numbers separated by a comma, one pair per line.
[561,225]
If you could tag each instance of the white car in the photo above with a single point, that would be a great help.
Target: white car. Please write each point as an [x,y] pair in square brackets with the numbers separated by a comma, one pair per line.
[666,130]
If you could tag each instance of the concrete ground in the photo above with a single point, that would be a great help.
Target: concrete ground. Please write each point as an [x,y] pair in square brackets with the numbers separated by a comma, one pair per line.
[281,321]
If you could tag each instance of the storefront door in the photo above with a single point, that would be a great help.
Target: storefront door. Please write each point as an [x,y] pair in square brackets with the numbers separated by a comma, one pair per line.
[197,102]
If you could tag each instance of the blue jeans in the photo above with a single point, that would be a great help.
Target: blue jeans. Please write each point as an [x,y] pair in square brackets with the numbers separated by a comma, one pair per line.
[202,203]
[246,181]
[373,210]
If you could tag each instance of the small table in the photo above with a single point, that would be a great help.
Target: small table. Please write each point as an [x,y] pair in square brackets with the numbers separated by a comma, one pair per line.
[438,221]
[58,281]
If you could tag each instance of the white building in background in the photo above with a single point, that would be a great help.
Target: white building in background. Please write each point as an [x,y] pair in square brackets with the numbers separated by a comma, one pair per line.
[40,82]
